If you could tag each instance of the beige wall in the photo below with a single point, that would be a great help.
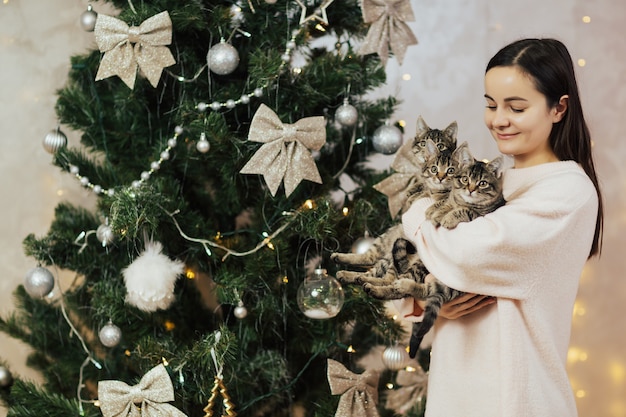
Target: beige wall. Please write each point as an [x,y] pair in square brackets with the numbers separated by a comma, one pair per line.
[446,68]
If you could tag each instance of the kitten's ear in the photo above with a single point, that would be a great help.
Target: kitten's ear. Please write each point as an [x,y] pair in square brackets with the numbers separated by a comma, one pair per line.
[462,155]
[452,130]
[495,165]
[422,127]
[431,148]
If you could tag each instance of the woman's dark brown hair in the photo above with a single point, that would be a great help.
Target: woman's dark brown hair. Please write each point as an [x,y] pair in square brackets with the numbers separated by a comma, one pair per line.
[549,65]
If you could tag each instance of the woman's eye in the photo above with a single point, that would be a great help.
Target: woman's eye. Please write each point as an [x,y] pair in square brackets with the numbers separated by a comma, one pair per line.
[491,107]
[514,110]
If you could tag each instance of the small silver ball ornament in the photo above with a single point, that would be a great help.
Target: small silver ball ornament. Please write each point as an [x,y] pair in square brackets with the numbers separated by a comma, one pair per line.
[54,140]
[387,139]
[222,58]
[203,144]
[39,282]
[395,357]
[110,335]
[105,234]
[6,379]
[346,115]
[363,244]
[88,19]
[241,311]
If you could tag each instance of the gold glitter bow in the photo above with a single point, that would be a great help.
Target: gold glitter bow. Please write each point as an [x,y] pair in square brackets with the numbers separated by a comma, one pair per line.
[152,394]
[397,185]
[359,393]
[126,48]
[388,28]
[284,155]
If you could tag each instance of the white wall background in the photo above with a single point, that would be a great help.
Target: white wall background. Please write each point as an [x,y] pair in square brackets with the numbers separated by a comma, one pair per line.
[456,38]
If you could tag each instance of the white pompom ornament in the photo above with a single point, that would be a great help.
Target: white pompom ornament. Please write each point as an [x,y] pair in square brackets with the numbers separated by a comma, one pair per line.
[150,279]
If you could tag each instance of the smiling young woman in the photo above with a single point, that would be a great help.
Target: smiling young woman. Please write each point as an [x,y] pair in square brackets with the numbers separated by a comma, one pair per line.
[508,358]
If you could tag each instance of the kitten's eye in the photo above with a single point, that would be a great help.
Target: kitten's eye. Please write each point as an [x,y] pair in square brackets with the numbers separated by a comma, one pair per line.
[433,169]
[450,171]
[483,184]
[464,179]
[422,143]
[441,146]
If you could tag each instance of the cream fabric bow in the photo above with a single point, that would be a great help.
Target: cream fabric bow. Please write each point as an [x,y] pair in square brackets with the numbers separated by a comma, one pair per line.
[126,48]
[388,27]
[284,155]
[397,185]
[155,389]
[359,393]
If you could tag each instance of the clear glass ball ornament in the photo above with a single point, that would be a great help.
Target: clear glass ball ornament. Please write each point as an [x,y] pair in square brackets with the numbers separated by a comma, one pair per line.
[38,282]
[54,140]
[88,19]
[222,58]
[110,335]
[395,357]
[6,378]
[320,296]
[387,139]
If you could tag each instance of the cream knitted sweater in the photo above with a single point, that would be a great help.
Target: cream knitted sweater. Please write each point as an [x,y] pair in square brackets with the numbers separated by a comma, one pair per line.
[509,359]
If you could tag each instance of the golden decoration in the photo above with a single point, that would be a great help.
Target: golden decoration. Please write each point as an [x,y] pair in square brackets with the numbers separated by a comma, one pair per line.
[359,393]
[128,48]
[149,398]
[285,154]
[388,28]
[227,405]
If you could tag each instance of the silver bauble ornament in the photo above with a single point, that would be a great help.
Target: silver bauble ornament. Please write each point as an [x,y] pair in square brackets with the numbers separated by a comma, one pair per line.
[38,282]
[6,379]
[110,335]
[320,296]
[346,114]
[363,244]
[54,140]
[222,58]
[105,234]
[387,139]
[395,357]
[203,144]
[88,19]
[241,311]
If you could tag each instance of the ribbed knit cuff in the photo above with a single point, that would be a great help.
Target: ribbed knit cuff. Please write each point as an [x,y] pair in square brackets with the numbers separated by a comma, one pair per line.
[415,216]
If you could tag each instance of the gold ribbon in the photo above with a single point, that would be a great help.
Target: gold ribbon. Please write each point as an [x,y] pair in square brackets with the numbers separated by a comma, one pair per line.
[284,155]
[397,185]
[388,28]
[359,393]
[147,399]
[126,48]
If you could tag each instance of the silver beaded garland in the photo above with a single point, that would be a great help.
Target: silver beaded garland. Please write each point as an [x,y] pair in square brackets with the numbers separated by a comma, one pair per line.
[88,19]
[395,357]
[110,335]
[387,139]
[38,282]
[222,58]
[6,379]
[346,114]
[54,140]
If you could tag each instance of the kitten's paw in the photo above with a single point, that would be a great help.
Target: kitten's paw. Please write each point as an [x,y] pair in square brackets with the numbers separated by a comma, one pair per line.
[386,292]
[348,277]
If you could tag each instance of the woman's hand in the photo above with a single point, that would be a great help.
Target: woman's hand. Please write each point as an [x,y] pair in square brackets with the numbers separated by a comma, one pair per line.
[465,304]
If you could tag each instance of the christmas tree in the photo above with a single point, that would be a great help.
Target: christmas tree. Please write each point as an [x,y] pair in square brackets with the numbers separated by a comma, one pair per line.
[216,136]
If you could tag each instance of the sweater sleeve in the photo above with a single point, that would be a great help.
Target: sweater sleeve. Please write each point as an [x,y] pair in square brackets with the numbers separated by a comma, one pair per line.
[506,252]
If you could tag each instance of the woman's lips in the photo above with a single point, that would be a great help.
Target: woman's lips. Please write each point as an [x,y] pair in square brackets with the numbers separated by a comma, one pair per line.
[506,136]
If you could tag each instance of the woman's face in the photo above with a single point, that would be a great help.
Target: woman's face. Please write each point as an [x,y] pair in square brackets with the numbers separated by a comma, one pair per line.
[518,116]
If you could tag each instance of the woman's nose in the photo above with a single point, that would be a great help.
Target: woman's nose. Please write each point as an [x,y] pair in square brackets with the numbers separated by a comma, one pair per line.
[499,118]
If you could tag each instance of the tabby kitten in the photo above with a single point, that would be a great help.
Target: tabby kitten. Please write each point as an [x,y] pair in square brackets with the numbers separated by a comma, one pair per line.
[436,178]
[477,191]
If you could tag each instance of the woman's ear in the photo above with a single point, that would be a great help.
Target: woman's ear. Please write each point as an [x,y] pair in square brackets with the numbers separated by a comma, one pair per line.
[560,109]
